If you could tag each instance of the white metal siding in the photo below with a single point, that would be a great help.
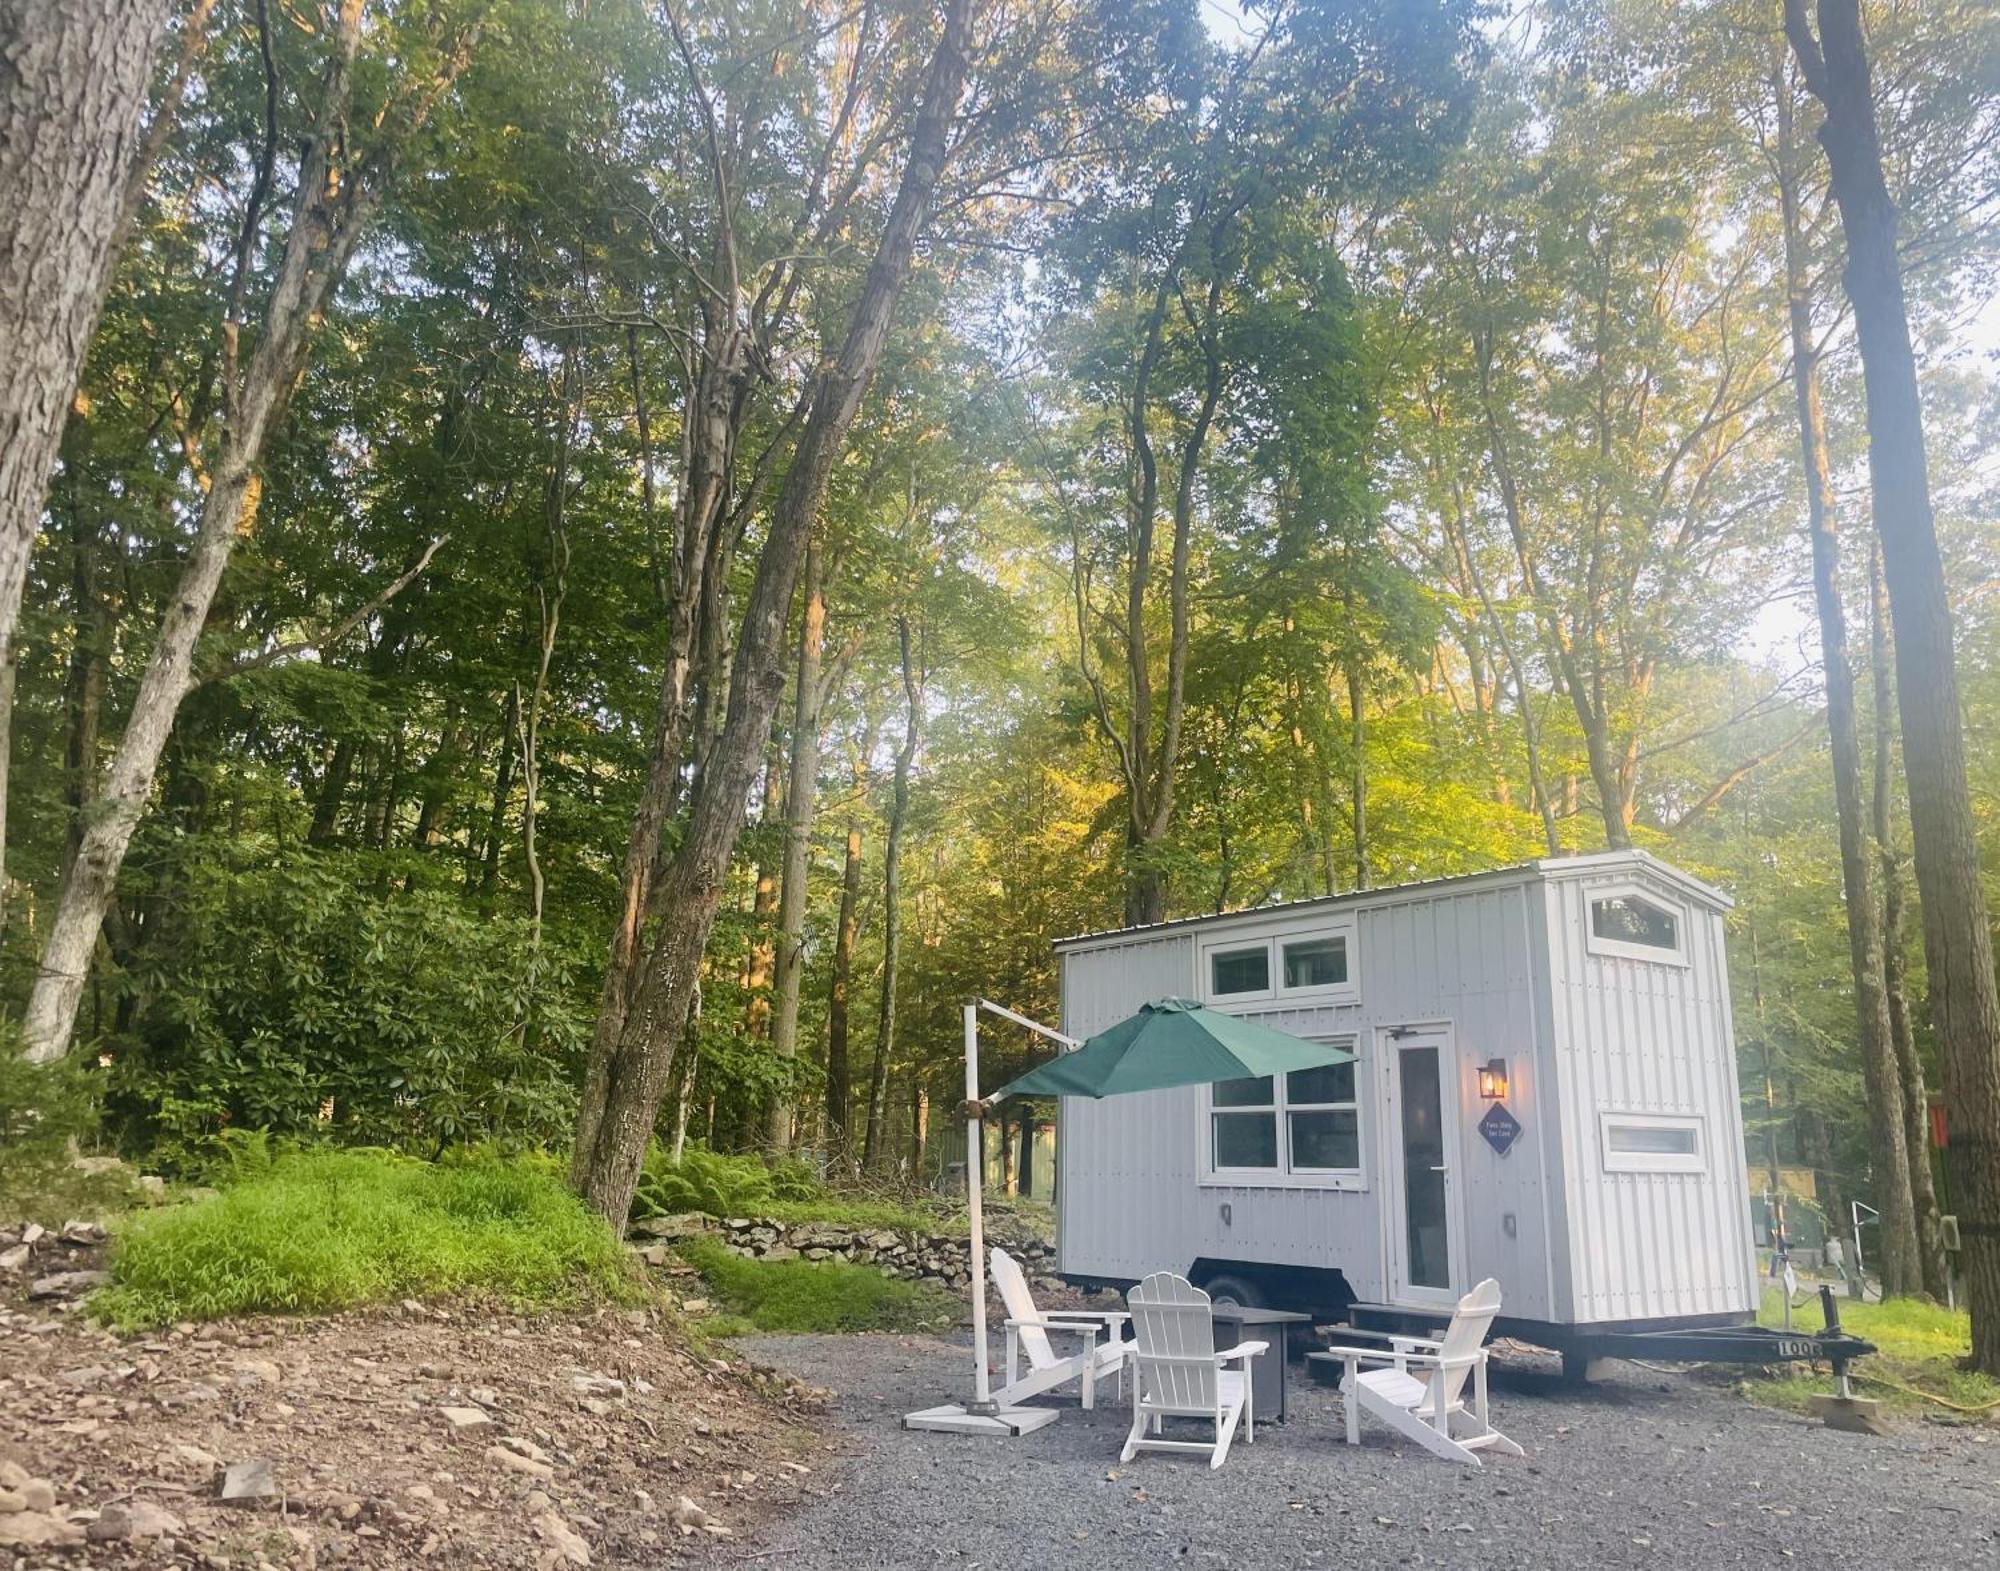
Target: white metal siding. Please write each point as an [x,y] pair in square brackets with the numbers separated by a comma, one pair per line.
[1634,1035]
[1132,1200]
[1126,1204]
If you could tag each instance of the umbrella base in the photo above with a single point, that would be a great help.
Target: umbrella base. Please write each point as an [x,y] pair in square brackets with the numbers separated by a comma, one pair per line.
[955,1420]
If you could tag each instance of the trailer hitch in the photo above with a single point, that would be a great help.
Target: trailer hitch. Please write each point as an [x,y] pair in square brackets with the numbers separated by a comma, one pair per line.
[1844,1410]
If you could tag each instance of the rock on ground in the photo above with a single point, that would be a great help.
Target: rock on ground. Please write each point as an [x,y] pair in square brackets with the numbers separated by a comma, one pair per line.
[118,1451]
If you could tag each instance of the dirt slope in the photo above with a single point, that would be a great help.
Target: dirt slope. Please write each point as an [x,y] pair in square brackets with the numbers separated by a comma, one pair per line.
[431,1436]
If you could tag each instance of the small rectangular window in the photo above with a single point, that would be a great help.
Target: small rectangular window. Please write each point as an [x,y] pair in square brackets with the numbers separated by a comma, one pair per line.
[1240,971]
[1316,962]
[1652,1143]
[1651,1138]
[1244,1123]
[1627,919]
[1322,1123]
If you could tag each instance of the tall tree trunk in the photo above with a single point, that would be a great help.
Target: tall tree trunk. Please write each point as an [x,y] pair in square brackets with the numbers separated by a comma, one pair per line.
[801,789]
[1958,943]
[332,791]
[840,999]
[73,81]
[83,689]
[717,402]
[503,789]
[764,905]
[892,904]
[627,1083]
[1887,1148]
[333,205]
[1357,743]
[1902,1031]
[551,587]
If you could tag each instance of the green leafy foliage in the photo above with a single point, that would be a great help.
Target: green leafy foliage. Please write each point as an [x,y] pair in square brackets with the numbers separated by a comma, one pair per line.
[300,1003]
[324,1230]
[46,1114]
[814,1295]
[716,1184]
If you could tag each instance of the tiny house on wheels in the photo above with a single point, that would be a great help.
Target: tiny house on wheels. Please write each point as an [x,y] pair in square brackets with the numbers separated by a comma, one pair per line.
[1544,1091]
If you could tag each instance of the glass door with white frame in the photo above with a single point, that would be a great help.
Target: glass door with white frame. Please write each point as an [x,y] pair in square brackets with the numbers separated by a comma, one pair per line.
[1422,1136]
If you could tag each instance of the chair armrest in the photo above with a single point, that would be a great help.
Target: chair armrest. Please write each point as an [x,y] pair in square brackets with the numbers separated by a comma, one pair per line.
[1402,1359]
[1085,1328]
[1084,1316]
[1360,1355]
[1245,1350]
[1406,1344]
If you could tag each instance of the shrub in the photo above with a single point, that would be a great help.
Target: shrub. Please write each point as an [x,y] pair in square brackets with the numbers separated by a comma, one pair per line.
[42,1109]
[813,1295]
[302,999]
[719,1185]
[46,1114]
[323,1230]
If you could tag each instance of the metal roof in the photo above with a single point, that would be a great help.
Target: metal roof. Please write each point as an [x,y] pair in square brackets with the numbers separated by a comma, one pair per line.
[1545,867]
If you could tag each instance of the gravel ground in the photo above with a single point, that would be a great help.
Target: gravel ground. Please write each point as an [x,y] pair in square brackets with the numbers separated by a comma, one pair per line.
[1641,1470]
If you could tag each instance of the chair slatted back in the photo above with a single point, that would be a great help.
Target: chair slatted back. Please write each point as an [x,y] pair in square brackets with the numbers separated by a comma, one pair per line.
[1467,1333]
[1012,1284]
[1174,1344]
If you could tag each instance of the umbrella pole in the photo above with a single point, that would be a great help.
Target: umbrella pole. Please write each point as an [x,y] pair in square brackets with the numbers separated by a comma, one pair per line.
[975,1162]
[982,1415]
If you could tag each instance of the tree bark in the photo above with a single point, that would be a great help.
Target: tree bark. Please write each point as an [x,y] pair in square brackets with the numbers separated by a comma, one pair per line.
[73,81]
[551,587]
[801,789]
[333,205]
[1887,1147]
[1357,742]
[763,956]
[839,1003]
[630,1078]
[1958,944]
[892,902]
[83,690]
[1902,1032]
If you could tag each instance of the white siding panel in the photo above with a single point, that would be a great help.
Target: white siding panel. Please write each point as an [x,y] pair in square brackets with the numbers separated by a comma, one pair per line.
[1132,1199]
[1633,1035]
[1126,1197]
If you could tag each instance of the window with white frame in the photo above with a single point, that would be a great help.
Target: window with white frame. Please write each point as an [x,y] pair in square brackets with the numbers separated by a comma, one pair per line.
[1637,925]
[1232,973]
[1652,1143]
[1302,1128]
[1313,964]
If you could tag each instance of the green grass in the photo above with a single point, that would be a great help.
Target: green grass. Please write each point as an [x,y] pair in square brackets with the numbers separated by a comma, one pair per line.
[1920,1347]
[812,1295]
[326,1230]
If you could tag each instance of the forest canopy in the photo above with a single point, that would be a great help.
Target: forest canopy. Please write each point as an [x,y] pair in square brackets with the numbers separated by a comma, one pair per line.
[615,560]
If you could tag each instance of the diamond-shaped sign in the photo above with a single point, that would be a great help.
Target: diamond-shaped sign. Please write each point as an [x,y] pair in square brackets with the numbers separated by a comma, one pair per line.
[1500,1127]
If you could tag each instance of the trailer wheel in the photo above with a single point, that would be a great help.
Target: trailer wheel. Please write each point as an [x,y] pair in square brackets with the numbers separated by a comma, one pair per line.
[1236,1292]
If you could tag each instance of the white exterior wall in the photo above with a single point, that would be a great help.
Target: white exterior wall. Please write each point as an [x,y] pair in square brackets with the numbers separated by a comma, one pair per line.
[1644,1037]
[1132,1195]
[1504,960]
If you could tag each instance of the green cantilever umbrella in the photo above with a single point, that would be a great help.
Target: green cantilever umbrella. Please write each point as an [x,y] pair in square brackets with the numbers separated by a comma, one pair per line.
[1174,1042]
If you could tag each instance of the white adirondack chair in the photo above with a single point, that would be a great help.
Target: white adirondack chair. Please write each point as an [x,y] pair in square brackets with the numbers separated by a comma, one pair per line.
[1430,1410]
[1102,1333]
[1179,1374]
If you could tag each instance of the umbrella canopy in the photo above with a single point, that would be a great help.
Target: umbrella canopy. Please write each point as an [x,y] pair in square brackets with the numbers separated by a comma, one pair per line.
[1174,1042]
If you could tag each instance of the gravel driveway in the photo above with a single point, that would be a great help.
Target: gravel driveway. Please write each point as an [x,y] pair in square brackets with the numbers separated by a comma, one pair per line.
[1642,1470]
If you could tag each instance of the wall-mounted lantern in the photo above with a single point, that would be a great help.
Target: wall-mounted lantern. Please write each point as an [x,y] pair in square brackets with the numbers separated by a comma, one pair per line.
[1493,1079]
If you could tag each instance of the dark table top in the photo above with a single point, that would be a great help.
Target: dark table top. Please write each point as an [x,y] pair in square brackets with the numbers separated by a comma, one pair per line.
[1259,1317]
